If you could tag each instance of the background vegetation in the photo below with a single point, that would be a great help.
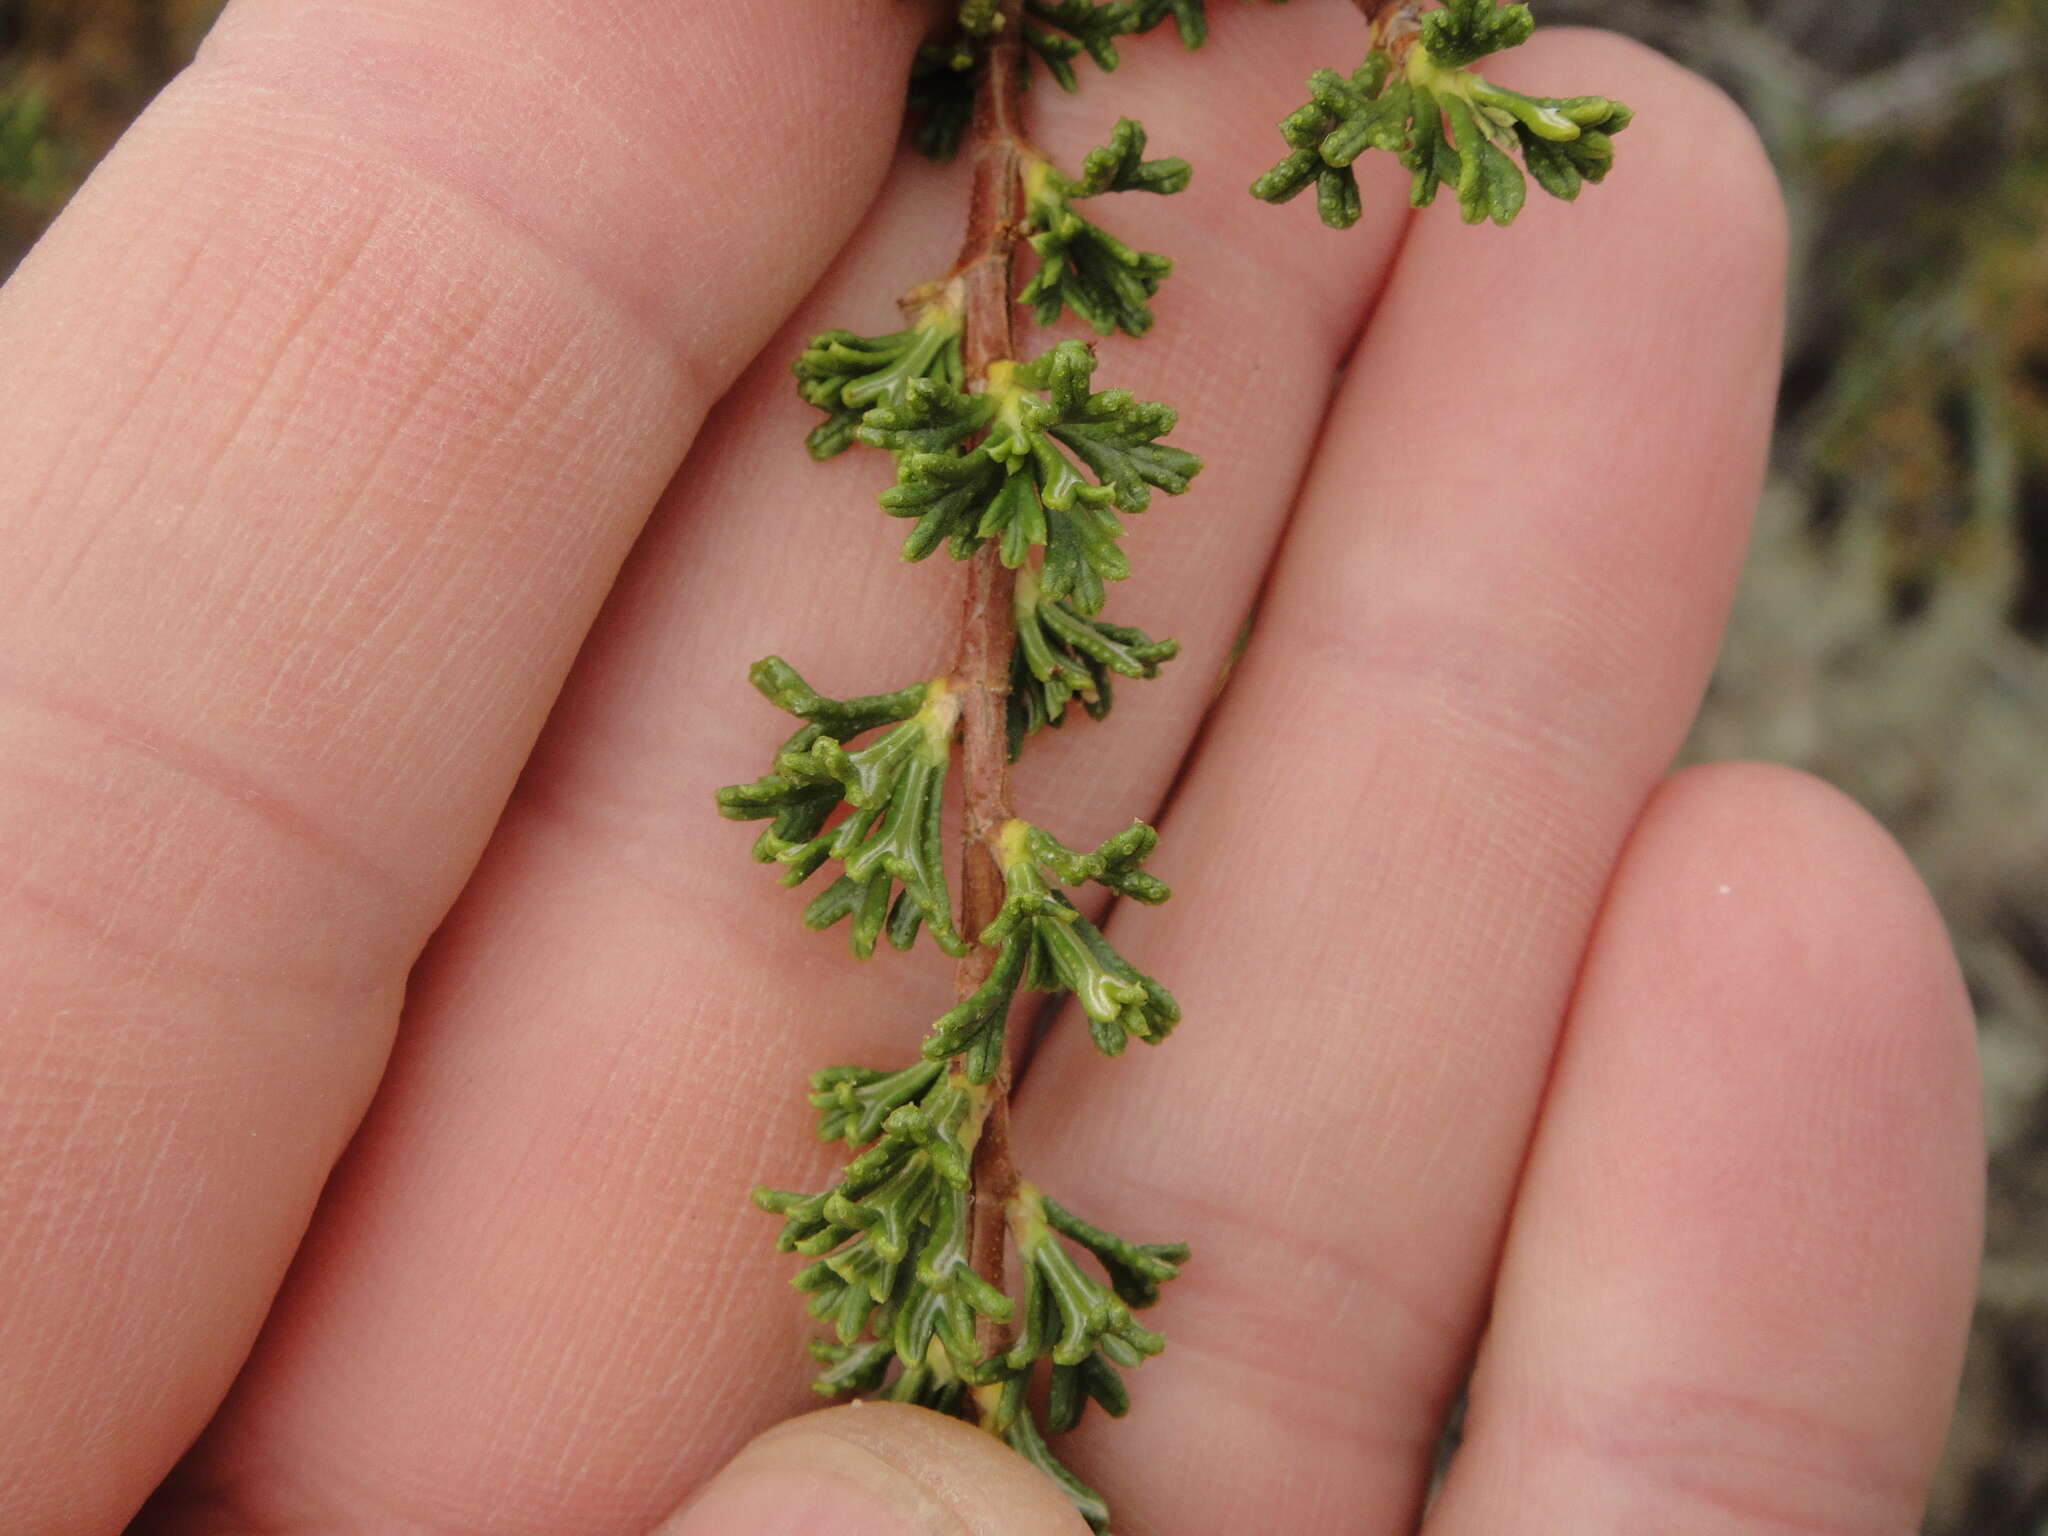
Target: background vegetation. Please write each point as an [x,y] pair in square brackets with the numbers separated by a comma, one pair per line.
[1891,631]
[1890,634]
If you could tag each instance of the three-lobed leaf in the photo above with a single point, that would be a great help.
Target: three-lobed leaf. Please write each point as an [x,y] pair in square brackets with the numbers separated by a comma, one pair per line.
[1082,267]
[1446,124]
[1007,464]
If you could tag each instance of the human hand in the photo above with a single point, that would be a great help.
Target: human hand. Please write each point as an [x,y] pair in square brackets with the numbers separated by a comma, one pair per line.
[333,408]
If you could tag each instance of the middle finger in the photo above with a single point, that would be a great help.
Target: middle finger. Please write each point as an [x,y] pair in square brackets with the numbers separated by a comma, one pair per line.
[535,1297]
[1484,638]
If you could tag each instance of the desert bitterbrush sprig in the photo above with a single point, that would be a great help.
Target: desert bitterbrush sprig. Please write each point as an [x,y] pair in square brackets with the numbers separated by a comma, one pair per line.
[1012,462]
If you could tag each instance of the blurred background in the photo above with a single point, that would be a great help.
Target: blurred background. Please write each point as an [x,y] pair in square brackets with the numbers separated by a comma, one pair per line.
[1892,634]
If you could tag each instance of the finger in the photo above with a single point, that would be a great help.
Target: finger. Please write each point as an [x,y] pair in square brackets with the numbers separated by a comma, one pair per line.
[546,1211]
[877,1469]
[330,409]
[1740,1272]
[1496,608]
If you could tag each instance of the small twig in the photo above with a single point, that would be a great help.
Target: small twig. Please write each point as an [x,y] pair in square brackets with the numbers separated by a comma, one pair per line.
[981,668]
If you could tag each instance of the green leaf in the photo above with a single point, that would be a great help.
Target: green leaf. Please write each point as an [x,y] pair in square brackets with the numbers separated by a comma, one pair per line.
[1066,952]
[932,1125]
[1059,31]
[1343,116]
[845,375]
[941,97]
[1063,656]
[892,1214]
[1117,863]
[1115,434]
[1190,18]
[944,1266]
[1561,162]
[1120,166]
[933,418]
[1095,26]
[1068,1318]
[850,1367]
[1446,125]
[1018,484]
[1022,1436]
[974,1027]
[853,1102]
[890,1237]
[894,790]
[1122,1003]
[951,496]
[1071,1387]
[922,1387]
[1086,1312]
[841,719]
[981,18]
[1083,267]
[1136,1270]
[1466,31]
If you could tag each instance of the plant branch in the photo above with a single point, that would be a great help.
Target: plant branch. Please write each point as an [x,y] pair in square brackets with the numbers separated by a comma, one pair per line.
[981,669]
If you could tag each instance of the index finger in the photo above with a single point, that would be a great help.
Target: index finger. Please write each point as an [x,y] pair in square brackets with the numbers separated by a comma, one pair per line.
[1480,645]
[330,410]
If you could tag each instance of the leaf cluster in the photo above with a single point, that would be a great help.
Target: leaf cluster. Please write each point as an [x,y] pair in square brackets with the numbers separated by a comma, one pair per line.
[1446,125]
[890,1272]
[1060,31]
[1084,1328]
[890,1237]
[1072,1318]
[1462,32]
[1057,32]
[941,97]
[1019,482]
[1018,1426]
[891,1277]
[1081,266]
[846,375]
[1044,944]
[888,843]
[1063,656]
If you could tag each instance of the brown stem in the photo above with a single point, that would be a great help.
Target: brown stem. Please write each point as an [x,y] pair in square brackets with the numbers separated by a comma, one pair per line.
[984,279]
[981,668]
[1393,22]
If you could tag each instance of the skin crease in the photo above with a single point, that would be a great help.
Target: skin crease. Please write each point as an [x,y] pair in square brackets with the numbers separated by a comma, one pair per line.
[337,448]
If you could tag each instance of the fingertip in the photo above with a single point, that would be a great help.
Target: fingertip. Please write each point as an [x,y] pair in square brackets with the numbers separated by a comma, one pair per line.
[876,1469]
[1774,921]
[1837,906]
[1736,1288]
[1882,962]
[1773,1005]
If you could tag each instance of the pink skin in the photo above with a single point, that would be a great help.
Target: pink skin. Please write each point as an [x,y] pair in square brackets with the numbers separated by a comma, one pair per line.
[328,433]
